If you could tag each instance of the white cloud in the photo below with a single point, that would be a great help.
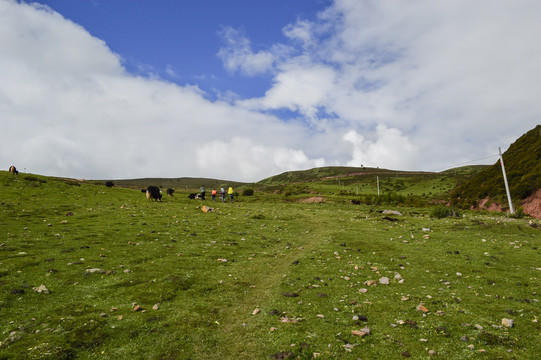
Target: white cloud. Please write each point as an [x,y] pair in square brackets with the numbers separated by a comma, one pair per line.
[301,31]
[248,159]
[69,108]
[239,56]
[411,85]
[390,148]
[456,78]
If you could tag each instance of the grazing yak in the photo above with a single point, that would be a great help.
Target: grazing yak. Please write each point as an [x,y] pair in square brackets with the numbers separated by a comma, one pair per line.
[153,192]
[13,170]
[170,192]
[194,196]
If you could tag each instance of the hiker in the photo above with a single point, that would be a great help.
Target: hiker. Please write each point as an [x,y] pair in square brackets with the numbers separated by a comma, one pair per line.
[230,192]
[222,194]
[202,191]
[213,193]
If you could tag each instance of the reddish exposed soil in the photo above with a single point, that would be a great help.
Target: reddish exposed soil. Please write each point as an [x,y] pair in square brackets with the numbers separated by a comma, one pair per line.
[532,204]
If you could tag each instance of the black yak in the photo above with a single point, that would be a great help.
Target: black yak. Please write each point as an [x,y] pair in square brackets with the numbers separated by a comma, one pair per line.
[153,192]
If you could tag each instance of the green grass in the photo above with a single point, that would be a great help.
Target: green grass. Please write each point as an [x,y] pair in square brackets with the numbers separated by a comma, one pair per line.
[198,277]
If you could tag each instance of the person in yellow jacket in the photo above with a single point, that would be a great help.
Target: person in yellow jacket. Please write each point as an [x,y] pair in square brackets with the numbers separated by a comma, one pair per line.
[230,192]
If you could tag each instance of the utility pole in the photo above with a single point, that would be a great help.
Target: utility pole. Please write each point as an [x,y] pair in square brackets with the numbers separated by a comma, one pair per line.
[511,208]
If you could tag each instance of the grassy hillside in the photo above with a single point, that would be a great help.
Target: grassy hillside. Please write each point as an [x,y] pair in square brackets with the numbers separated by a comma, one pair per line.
[90,272]
[184,183]
[362,183]
[523,167]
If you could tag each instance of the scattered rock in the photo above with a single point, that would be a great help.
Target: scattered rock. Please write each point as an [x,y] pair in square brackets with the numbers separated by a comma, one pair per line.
[137,307]
[422,308]
[363,290]
[478,327]
[507,322]
[291,294]
[94,270]
[206,209]
[362,332]
[256,311]
[384,281]
[156,306]
[41,289]
[370,282]
[391,212]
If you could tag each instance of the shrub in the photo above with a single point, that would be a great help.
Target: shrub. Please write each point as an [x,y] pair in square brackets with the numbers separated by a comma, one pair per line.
[441,212]
[248,192]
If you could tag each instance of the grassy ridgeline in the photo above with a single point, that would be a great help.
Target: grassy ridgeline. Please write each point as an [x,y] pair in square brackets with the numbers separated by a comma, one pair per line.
[129,279]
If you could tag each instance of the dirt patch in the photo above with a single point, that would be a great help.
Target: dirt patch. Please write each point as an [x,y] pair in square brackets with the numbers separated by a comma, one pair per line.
[492,206]
[312,200]
[532,204]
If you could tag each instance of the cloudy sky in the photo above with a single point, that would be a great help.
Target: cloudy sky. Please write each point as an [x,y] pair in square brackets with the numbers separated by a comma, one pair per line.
[244,89]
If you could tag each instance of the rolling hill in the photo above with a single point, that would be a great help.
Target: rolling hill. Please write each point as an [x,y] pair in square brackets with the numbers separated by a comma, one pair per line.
[523,167]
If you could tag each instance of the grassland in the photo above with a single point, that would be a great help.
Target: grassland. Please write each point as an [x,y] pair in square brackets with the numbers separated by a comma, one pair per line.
[265,277]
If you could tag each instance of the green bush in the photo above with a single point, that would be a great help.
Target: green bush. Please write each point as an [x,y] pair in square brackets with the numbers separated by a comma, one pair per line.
[248,192]
[442,211]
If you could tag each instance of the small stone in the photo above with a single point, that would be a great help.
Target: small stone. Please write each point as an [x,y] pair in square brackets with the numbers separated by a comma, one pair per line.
[103,315]
[478,327]
[291,294]
[464,338]
[507,322]
[471,346]
[41,289]
[398,277]
[256,311]
[440,313]
[370,282]
[361,333]
[422,308]
[384,281]
[321,316]
[431,353]
[137,307]
[120,317]
[94,270]
[363,290]
[156,306]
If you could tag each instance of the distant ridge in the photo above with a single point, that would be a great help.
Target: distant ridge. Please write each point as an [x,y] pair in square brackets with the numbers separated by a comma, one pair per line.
[175,183]
[523,167]
[328,172]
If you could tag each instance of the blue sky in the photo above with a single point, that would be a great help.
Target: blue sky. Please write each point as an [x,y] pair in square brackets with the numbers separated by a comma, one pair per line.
[179,40]
[243,90]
